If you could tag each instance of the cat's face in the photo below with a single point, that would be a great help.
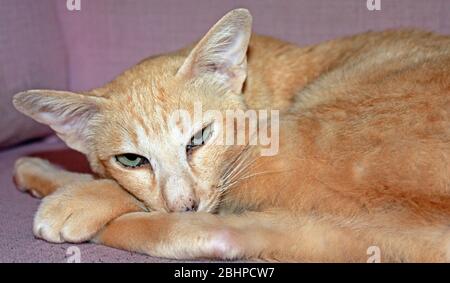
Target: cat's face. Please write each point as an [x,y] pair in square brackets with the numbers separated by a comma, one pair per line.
[170,161]
[152,129]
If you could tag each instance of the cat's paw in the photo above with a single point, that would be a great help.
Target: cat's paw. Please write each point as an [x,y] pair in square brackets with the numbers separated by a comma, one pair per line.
[29,175]
[77,212]
[63,219]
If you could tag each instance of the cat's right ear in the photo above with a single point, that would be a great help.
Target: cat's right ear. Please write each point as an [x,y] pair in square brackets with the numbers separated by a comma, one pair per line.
[67,113]
[221,53]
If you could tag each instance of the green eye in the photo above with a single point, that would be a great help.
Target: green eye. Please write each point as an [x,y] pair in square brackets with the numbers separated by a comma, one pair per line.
[200,138]
[131,160]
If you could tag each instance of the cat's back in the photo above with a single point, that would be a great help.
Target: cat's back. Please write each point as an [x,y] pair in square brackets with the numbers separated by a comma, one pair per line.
[381,119]
[396,86]
[278,70]
[383,64]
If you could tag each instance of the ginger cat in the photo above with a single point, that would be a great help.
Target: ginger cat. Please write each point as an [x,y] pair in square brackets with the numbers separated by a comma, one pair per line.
[363,160]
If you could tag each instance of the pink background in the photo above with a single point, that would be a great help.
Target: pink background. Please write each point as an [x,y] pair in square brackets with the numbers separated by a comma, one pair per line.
[43,45]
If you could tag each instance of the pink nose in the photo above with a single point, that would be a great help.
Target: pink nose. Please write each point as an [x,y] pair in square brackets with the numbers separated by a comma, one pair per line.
[179,194]
[183,205]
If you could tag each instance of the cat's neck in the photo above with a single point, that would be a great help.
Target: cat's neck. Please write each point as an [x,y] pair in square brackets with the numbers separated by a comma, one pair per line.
[262,182]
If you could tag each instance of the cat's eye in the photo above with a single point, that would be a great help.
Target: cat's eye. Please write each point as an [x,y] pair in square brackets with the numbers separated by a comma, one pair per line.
[130,160]
[199,139]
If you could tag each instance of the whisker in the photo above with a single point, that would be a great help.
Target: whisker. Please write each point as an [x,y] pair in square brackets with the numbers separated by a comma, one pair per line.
[230,166]
[263,173]
[244,156]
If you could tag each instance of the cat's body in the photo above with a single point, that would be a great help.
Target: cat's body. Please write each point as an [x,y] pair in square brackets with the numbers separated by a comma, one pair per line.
[364,155]
[362,108]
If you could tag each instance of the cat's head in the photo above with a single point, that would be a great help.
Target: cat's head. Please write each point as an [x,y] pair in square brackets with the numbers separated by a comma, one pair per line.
[131,129]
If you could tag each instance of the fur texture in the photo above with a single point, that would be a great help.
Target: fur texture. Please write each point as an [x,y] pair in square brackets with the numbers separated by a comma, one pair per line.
[363,159]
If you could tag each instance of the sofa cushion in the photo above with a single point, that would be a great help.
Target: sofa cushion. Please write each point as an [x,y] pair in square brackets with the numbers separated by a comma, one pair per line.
[106,37]
[32,55]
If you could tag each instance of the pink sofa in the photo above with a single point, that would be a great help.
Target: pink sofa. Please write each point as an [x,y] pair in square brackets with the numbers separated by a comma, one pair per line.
[43,45]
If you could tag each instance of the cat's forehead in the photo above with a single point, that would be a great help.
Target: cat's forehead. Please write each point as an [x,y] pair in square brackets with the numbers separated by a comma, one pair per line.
[141,116]
[135,127]
[144,105]
[148,107]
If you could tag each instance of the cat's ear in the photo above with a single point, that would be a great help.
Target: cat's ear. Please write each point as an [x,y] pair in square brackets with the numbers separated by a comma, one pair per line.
[67,113]
[222,51]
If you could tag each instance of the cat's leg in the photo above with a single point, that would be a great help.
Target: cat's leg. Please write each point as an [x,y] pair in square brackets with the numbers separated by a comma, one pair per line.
[268,236]
[178,235]
[76,212]
[40,178]
[420,244]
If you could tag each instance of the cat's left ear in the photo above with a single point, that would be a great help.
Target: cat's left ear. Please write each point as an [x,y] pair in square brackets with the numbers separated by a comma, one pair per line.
[68,114]
[222,51]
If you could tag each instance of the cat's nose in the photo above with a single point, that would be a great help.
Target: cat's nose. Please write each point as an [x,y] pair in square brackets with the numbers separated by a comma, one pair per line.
[191,206]
[187,205]
[179,195]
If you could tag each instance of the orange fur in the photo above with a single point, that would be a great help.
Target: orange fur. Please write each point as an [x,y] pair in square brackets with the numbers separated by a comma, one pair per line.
[363,161]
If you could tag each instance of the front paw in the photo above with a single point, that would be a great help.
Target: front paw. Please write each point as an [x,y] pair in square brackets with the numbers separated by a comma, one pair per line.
[30,175]
[77,213]
[61,219]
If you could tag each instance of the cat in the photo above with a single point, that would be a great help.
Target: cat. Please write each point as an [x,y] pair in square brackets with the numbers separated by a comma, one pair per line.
[363,159]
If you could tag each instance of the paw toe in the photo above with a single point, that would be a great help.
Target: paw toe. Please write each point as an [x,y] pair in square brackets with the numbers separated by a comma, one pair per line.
[47,232]
[75,233]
